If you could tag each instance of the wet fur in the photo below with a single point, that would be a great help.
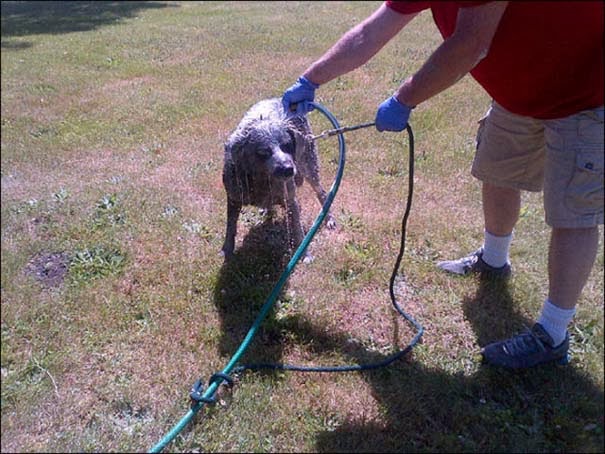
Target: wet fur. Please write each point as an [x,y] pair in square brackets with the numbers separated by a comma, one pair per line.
[266,157]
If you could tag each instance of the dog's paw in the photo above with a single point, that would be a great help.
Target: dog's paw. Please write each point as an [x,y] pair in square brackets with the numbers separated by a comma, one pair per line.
[331,222]
[307,259]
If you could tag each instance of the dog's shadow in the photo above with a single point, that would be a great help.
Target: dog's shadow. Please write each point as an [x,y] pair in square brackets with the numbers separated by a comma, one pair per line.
[244,284]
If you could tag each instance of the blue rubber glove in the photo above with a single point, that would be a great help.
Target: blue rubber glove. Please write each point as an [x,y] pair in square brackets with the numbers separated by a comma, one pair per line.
[299,95]
[392,115]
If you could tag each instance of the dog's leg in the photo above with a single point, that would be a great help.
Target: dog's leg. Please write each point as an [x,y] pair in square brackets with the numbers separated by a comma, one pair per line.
[309,167]
[233,210]
[293,210]
[293,213]
[322,195]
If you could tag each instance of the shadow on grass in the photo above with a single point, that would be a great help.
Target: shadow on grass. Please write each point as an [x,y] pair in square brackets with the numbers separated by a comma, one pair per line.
[551,408]
[23,18]
[244,283]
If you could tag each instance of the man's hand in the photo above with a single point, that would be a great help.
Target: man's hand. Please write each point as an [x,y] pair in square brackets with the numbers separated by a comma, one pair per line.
[392,115]
[299,95]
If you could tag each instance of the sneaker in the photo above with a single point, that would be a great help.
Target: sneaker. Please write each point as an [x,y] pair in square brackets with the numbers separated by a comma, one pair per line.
[474,263]
[526,350]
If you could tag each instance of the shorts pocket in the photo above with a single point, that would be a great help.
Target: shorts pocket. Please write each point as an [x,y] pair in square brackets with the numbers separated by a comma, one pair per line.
[584,194]
[480,132]
[590,127]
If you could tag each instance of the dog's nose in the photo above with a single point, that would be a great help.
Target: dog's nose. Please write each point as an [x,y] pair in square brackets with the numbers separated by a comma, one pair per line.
[284,172]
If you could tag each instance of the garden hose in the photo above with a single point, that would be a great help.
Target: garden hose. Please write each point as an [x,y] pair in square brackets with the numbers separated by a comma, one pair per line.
[200,396]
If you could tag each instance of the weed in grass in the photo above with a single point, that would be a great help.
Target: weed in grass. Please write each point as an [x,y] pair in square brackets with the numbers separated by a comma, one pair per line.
[392,171]
[350,221]
[108,213]
[360,252]
[583,338]
[115,179]
[198,229]
[107,203]
[129,419]
[287,306]
[253,216]
[61,196]
[170,211]
[24,207]
[347,276]
[424,252]
[28,380]
[95,262]
[155,148]
[42,131]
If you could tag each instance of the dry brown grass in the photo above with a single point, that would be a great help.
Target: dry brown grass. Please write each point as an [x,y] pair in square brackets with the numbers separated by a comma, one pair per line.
[139,108]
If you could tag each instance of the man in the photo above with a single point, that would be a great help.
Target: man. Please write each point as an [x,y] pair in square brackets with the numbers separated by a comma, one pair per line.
[542,63]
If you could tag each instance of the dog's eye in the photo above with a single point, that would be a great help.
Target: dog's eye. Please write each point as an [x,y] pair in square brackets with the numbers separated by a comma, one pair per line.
[263,152]
[288,147]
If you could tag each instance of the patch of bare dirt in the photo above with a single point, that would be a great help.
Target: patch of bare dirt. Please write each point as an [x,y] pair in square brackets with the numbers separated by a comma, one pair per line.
[49,268]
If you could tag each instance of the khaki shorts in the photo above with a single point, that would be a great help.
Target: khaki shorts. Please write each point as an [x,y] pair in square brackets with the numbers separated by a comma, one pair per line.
[562,156]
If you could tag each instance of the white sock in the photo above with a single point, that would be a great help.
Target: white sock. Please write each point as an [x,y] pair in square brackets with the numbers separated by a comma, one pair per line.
[495,249]
[555,321]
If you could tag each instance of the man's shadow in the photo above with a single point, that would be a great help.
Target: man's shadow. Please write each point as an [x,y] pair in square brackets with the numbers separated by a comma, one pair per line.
[426,409]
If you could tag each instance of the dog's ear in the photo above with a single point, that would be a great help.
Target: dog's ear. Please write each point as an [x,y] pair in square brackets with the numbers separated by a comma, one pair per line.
[235,168]
[236,143]
[293,141]
[298,141]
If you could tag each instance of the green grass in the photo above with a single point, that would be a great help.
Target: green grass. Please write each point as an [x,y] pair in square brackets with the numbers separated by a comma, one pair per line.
[114,116]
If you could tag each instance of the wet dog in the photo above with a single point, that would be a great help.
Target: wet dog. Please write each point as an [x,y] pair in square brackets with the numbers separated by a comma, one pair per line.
[267,156]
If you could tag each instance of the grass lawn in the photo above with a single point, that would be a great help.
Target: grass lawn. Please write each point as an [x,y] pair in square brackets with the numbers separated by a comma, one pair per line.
[115,299]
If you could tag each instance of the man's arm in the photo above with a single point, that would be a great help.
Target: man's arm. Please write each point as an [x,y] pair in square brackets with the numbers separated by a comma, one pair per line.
[459,54]
[358,45]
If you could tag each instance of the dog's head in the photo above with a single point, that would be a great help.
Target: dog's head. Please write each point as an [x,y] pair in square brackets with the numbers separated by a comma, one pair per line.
[265,146]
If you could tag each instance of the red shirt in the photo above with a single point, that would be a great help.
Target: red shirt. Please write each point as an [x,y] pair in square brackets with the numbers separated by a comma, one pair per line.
[545,60]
